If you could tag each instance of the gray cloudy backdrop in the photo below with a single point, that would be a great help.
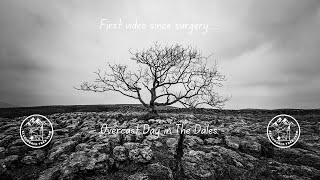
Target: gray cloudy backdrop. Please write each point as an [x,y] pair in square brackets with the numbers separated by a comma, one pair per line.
[268,49]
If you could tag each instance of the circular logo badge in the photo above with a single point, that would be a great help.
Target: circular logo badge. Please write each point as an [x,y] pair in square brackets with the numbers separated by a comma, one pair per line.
[36,131]
[283,131]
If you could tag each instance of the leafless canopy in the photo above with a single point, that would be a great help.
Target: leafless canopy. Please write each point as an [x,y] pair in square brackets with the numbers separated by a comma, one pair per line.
[171,74]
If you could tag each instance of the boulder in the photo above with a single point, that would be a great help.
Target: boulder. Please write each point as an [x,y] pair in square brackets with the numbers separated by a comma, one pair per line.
[146,142]
[138,176]
[114,139]
[139,137]
[35,157]
[82,147]
[6,140]
[3,169]
[2,152]
[267,149]
[72,128]
[222,130]
[146,154]
[131,145]
[61,131]
[80,137]
[300,171]
[50,174]
[196,166]
[83,161]
[240,131]
[250,146]
[63,148]
[103,148]
[29,160]
[129,138]
[172,142]
[158,171]
[12,130]
[19,150]
[317,128]
[17,142]
[194,156]
[7,126]
[230,156]
[119,153]
[158,144]
[232,142]
[142,155]
[213,141]
[151,137]
[191,141]
[9,162]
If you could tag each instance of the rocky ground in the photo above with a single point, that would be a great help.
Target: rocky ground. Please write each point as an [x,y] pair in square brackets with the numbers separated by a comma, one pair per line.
[239,148]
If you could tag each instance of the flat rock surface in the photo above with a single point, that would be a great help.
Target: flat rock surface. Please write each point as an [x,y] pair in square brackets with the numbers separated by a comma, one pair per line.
[238,148]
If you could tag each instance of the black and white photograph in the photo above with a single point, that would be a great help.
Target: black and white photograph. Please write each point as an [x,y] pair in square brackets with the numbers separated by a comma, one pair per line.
[160,90]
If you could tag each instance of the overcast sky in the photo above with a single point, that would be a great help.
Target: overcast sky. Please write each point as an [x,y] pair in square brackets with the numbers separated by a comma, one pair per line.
[269,50]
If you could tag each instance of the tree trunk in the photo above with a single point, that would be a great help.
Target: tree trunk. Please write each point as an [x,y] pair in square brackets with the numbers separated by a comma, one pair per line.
[152,109]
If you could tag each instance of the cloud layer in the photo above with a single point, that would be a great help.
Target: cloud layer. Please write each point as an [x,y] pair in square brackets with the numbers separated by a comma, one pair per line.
[268,49]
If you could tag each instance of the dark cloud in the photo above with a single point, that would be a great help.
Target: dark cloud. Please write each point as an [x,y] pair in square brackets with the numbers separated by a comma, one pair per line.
[289,25]
[18,74]
[287,70]
[15,60]
[269,48]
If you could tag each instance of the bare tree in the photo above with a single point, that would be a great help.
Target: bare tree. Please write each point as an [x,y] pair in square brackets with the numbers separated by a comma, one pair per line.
[170,74]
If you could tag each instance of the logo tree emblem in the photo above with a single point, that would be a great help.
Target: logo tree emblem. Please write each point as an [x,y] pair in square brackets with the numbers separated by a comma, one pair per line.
[36,131]
[283,131]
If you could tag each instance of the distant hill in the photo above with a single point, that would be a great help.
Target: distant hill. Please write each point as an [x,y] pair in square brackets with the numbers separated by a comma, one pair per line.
[47,110]
[6,105]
